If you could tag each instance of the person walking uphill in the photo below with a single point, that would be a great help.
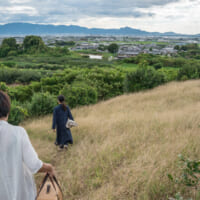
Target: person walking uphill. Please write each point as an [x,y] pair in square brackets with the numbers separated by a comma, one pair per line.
[18,159]
[61,114]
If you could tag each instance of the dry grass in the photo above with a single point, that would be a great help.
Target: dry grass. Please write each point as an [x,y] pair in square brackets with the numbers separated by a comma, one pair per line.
[124,147]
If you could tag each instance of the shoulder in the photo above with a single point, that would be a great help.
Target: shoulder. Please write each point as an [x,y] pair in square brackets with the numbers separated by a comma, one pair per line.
[20,129]
[17,130]
[56,108]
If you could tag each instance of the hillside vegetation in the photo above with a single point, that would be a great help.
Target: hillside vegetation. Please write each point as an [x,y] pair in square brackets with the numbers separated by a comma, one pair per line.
[33,73]
[125,147]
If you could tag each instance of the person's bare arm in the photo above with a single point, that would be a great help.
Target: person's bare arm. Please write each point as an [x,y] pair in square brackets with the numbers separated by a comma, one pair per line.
[48,168]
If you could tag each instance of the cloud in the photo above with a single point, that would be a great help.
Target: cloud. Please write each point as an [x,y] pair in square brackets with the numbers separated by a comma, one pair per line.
[151,15]
[76,8]
[19,10]
[19,1]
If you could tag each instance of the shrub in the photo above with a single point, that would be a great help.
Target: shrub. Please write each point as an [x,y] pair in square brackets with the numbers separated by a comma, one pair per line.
[17,114]
[12,53]
[3,87]
[10,76]
[190,171]
[170,74]
[143,78]
[36,86]
[79,94]
[109,83]
[21,93]
[27,76]
[189,72]
[158,65]
[41,104]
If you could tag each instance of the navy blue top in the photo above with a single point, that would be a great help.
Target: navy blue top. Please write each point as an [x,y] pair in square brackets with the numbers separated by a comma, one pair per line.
[60,117]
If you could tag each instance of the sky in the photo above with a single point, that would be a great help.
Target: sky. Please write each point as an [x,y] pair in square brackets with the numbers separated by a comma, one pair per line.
[180,16]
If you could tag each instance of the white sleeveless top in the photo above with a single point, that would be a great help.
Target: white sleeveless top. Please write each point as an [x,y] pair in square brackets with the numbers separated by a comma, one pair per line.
[18,163]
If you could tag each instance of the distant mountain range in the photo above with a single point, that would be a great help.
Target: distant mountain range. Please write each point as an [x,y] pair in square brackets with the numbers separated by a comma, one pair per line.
[40,29]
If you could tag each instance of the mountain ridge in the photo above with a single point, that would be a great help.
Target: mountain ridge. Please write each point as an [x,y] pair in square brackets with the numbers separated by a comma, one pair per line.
[49,29]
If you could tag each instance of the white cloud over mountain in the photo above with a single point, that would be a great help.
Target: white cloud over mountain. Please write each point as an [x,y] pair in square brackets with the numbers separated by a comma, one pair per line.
[152,15]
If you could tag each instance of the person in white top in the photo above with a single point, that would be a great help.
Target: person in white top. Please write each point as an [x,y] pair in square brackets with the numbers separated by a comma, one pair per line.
[18,159]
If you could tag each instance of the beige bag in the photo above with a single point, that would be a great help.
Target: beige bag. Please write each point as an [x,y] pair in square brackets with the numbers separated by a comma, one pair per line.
[49,189]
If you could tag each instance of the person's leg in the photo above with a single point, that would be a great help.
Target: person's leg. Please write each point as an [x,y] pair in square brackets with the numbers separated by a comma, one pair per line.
[57,139]
[70,139]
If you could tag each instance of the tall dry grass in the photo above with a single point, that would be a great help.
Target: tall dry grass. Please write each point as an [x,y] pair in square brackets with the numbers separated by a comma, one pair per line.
[124,147]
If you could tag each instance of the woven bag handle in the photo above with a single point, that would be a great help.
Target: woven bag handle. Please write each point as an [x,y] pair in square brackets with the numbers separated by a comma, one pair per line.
[52,181]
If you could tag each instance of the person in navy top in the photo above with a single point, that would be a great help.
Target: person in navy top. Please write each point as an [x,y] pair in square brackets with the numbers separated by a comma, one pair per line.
[61,114]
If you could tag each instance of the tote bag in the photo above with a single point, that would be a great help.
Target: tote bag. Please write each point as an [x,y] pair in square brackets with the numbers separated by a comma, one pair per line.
[71,123]
[49,189]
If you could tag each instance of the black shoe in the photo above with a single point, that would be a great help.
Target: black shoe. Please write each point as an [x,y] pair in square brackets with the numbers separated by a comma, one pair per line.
[56,143]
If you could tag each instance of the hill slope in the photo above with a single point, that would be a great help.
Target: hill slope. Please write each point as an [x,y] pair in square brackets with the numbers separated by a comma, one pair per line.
[124,147]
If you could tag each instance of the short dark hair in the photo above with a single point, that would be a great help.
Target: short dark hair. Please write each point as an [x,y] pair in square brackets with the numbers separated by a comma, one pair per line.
[4,104]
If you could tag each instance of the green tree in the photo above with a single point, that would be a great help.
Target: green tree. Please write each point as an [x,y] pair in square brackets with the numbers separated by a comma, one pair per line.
[8,45]
[102,47]
[33,44]
[113,48]
[177,47]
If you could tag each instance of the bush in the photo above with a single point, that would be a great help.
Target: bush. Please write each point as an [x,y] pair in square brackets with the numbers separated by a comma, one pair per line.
[109,83]
[170,74]
[17,114]
[21,93]
[3,87]
[79,94]
[27,76]
[143,78]
[10,76]
[36,86]
[12,53]
[189,72]
[41,104]
[59,51]
[158,65]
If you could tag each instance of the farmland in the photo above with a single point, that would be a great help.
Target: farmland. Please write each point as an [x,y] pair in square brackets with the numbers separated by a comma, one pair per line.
[33,74]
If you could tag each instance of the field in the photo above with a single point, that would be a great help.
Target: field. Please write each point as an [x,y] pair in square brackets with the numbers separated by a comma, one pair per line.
[129,135]
[125,147]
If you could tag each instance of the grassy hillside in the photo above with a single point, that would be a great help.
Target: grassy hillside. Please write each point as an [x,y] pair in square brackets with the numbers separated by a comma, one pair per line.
[124,147]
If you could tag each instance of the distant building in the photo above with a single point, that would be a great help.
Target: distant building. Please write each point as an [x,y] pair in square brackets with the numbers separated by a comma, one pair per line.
[124,54]
[85,46]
